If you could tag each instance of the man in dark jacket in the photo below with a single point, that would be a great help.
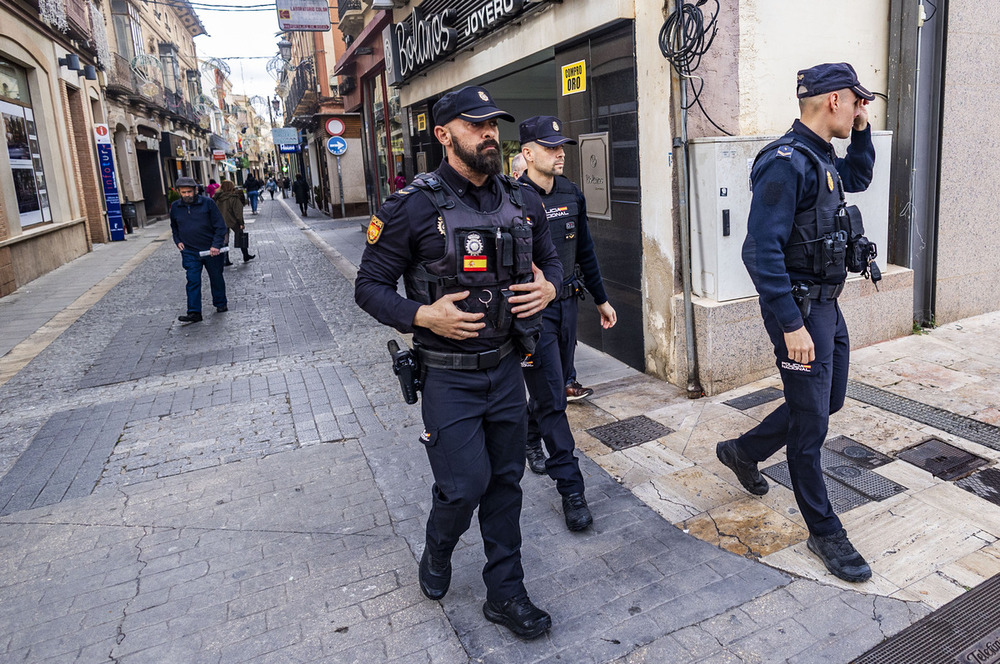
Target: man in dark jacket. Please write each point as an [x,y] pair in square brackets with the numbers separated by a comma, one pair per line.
[300,189]
[199,232]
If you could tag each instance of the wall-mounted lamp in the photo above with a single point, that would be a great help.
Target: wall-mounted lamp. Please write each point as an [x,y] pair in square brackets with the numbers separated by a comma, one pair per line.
[285,49]
[382,4]
[71,61]
[90,72]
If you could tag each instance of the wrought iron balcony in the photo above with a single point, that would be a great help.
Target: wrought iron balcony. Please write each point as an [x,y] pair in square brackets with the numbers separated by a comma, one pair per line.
[78,13]
[302,99]
[120,77]
[351,14]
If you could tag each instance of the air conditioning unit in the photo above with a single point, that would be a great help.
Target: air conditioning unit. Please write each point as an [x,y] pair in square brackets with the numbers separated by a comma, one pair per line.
[720,204]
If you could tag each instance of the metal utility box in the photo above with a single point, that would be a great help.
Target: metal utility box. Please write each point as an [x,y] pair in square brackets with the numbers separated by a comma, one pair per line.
[720,204]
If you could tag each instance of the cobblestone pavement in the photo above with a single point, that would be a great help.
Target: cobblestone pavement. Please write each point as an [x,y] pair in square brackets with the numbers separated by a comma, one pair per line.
[251,489]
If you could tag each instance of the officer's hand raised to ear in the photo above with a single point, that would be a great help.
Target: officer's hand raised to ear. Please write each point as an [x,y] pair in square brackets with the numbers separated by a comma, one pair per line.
[537,294]
[445,319]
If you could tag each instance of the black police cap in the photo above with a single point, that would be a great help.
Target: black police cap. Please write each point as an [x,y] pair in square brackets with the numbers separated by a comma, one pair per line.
[830,77]
[471,103]
[545,130]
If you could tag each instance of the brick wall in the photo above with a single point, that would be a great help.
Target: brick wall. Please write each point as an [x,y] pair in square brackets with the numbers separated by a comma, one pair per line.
[8,284]
[84,164]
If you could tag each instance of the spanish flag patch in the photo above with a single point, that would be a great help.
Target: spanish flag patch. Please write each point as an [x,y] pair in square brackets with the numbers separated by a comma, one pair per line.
[474,263]
[374,229]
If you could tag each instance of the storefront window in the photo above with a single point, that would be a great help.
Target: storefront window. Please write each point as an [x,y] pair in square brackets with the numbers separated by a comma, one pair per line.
[384,135]
[22,146]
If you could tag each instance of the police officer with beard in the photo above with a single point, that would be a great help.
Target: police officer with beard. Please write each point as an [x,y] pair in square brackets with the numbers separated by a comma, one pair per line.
[548,374]
[796,252]
[479,267]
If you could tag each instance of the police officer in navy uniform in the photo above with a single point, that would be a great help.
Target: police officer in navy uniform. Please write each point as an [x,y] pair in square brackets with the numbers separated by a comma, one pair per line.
[547,374]
[795,254]
[479,267]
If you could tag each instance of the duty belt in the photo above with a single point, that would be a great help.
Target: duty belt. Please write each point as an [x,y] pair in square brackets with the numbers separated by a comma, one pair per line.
[465,361]
[825,291]
[569,290]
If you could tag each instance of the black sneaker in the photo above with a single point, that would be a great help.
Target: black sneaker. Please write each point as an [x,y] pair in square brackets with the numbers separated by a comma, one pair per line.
[434,575]
[520,616]
[223,309]
[746,472]
[535,457]
[840,556]
[190,317]
[576,512]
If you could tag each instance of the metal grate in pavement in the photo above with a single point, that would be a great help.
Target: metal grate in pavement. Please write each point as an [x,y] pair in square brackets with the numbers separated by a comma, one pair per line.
[985,484]
[963,630]
[629,432]
[941,459]
[842,497]
[755,398]
[957,425]
[861,455]
[848,485]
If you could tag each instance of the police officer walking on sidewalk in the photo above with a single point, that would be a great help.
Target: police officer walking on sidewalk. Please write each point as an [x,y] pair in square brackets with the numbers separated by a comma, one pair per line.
[547,372]
[799,235]
[479,267]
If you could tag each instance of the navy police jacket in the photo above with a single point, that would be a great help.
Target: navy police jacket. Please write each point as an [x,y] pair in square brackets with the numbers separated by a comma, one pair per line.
[405,231]
[782,187]
[199,226]
[586,256]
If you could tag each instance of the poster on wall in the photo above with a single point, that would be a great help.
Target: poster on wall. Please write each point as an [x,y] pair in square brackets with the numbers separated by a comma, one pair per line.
[304,15]
[106,165]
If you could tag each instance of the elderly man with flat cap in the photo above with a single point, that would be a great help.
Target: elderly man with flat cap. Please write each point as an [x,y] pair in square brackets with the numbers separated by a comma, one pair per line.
[796,253]
[479,267]
[198,228]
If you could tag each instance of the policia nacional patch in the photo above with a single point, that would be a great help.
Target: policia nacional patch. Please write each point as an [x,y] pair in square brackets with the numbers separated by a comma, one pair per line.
[374,229]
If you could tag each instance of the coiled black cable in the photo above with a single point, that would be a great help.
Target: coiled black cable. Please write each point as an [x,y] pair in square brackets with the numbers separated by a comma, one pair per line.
[684,38]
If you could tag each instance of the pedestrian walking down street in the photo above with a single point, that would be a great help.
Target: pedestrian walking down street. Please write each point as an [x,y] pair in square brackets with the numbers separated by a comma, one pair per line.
[197,226]
[212,187]
[285,186]
[300,189]
[795,249]
[271,186]
[252,186]
[231,203]
[545,374]
[479,268]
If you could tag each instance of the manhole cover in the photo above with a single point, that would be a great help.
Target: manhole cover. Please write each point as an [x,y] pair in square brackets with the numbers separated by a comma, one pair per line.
[629,432]
[842,497]
[941,459]
[755,398]
[846,472]
[860,454]
[985,484]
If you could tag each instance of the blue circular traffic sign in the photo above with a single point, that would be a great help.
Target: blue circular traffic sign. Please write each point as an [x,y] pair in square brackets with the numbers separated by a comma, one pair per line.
[336,145]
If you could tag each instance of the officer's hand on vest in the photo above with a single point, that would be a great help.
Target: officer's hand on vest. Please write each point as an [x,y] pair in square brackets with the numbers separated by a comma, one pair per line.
[444,319]
[799,345]
[537,295]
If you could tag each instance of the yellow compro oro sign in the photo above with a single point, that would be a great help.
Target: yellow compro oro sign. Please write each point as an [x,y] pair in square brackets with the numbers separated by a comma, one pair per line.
[574,78]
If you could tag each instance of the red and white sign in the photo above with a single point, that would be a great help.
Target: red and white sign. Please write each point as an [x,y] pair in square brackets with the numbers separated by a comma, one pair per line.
[219,155]
[103,136]
[335,126]
[303,15]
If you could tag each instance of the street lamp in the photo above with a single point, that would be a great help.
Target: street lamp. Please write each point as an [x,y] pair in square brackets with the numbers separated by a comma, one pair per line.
[285,49]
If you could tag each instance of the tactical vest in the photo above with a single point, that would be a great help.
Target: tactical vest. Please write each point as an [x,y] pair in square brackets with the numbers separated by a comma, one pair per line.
[817,245]
[562,211]
[485,252]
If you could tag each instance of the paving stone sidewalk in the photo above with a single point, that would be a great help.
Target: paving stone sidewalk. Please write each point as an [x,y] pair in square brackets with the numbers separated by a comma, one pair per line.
[251,489]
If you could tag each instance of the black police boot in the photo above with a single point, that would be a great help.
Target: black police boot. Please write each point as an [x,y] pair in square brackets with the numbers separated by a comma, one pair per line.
[746,472]
[840,556]
[519,615]
[535,456]
[435,576]
[190,317]
[576,512]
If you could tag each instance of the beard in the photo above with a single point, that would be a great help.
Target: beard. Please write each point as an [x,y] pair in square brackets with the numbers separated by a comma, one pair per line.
[188,200]
[487,163]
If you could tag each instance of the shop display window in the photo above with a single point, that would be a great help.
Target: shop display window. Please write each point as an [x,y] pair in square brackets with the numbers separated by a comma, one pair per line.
[21,144]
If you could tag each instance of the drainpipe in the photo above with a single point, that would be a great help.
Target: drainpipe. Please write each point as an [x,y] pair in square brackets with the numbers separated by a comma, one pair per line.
[678,89]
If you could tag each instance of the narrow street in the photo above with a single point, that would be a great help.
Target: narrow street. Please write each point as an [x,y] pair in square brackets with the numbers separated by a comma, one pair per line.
[251,489]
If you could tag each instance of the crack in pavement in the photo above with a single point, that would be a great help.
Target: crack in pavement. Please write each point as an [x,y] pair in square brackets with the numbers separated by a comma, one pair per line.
[750,553]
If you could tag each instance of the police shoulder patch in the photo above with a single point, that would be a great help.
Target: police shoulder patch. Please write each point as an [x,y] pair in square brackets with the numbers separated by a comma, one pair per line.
[375,227]
[829,181]
[784,152]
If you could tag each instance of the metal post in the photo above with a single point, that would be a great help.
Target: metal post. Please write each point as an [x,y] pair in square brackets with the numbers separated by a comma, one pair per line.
[340,187]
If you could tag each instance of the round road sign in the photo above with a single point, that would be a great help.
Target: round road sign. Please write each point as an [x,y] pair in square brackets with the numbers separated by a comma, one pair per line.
[336,145]
[335,126]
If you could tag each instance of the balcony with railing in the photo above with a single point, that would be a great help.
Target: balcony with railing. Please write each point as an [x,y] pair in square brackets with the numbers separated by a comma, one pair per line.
[350,14]
[78,14]
[302,100]
[119,76]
